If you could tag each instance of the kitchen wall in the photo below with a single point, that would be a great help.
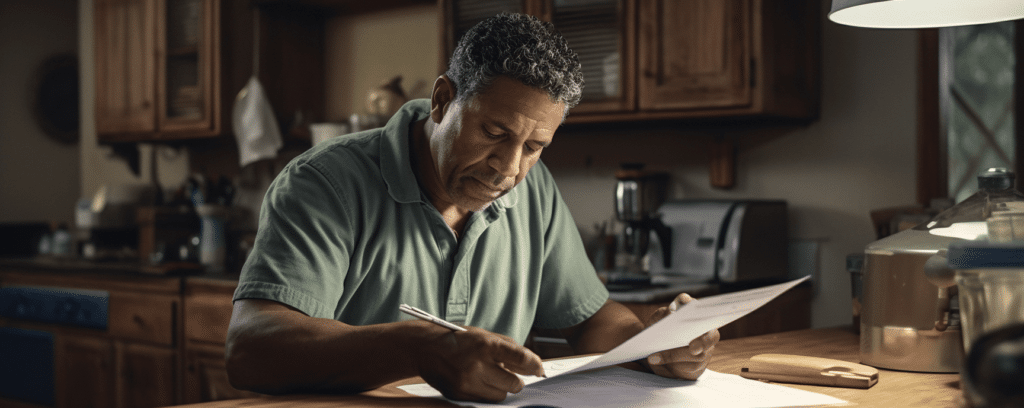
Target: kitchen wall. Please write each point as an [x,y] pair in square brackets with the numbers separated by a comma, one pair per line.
[38,176]
[859,156]
[364,51]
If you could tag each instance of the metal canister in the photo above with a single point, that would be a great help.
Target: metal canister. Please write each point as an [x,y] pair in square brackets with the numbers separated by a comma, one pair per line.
[910,319]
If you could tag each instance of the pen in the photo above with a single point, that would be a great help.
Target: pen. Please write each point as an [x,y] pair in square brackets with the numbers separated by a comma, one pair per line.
[417,313]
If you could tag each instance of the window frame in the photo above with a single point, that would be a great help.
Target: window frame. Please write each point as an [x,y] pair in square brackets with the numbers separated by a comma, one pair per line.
[932,117]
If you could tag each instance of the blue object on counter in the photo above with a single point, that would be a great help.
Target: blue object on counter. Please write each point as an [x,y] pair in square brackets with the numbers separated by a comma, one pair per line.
[64,306]
[985,254]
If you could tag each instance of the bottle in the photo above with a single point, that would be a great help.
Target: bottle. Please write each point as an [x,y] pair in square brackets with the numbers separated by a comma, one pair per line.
[61,245]
[212,241]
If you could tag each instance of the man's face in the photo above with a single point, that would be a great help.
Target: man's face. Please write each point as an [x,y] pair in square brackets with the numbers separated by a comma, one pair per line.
[485,145]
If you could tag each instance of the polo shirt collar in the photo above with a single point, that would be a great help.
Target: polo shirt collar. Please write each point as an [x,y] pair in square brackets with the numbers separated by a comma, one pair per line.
[395,159]
[396,162]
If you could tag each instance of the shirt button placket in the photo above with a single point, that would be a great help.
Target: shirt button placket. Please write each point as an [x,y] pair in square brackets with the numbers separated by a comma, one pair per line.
[445,239]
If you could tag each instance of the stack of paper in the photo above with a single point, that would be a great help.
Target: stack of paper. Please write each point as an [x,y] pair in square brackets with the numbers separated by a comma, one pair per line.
[593,385]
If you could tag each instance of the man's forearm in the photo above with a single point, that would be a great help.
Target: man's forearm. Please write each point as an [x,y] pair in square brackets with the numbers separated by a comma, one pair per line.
[612,325]
[284,351]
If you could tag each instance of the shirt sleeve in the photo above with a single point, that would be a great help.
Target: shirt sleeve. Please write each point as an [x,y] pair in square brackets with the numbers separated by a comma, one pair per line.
[300,256]
[570,290]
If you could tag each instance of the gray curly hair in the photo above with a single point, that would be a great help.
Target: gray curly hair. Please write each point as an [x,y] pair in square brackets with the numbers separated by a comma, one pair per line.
[521,47]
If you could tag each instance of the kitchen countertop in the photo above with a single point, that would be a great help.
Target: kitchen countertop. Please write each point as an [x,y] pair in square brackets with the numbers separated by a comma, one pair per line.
[894,388]
[76,265]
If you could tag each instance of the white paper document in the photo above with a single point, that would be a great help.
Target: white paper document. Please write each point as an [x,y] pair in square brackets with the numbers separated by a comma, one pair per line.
[688,322]
[619,387]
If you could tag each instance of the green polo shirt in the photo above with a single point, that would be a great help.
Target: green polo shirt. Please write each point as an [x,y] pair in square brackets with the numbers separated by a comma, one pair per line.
[346,233]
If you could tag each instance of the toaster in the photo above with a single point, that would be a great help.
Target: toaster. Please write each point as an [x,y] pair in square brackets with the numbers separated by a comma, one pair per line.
[730,241]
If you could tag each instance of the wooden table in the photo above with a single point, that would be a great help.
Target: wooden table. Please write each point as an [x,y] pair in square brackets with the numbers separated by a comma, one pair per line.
[894,388]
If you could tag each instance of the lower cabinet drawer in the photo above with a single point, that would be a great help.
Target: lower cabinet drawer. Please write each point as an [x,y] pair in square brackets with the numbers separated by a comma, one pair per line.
[142,317]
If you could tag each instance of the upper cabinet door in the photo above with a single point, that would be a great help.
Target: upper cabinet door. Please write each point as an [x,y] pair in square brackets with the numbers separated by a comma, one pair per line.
[601,34]
[600,31]
[671,59]
[695,54]
[186,66]
[458,16]
[125,97]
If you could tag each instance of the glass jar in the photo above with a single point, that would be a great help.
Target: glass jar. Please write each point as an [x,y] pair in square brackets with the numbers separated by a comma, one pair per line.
[989,279]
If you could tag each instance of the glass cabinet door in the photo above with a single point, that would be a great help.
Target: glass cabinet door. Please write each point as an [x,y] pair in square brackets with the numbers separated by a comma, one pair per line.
[185,66]
[461,15]
[599,31]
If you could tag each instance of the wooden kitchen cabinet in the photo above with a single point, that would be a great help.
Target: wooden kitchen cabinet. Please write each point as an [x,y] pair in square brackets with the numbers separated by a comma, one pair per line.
[125,67]
[208,308]
[601,32]
[85,367]
[171,69]
[696,54]
[131,362]
[206,378]
[162,344]
[156,76]
[95,371]
[729,58]
[665,59]
[147,375]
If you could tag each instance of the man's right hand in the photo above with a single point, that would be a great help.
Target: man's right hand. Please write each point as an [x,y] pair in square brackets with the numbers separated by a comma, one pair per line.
[273,348]
[476,365]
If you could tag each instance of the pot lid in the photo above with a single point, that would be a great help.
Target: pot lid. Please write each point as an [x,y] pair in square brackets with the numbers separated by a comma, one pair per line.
[961,222]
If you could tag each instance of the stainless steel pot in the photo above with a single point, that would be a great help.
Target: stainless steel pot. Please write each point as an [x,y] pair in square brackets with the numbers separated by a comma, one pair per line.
[898,318]
[909,321]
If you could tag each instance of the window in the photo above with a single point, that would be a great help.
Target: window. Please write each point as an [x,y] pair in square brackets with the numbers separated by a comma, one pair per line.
[976,77]
[968,113]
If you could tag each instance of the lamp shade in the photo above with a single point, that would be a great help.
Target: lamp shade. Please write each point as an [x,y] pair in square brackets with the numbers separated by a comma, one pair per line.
[923,13]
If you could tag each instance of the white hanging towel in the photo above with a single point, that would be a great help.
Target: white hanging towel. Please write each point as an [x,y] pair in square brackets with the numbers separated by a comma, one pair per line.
[255,126]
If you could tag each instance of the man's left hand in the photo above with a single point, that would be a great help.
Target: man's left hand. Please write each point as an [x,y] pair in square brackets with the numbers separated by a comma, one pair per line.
[685,362]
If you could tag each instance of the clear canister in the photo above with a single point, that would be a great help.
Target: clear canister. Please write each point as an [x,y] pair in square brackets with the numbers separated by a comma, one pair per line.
[990,281]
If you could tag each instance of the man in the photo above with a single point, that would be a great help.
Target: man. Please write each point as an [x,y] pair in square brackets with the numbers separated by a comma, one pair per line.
[439,210]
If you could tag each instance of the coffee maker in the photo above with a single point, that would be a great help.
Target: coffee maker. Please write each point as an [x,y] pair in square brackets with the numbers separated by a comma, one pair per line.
[638,195]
